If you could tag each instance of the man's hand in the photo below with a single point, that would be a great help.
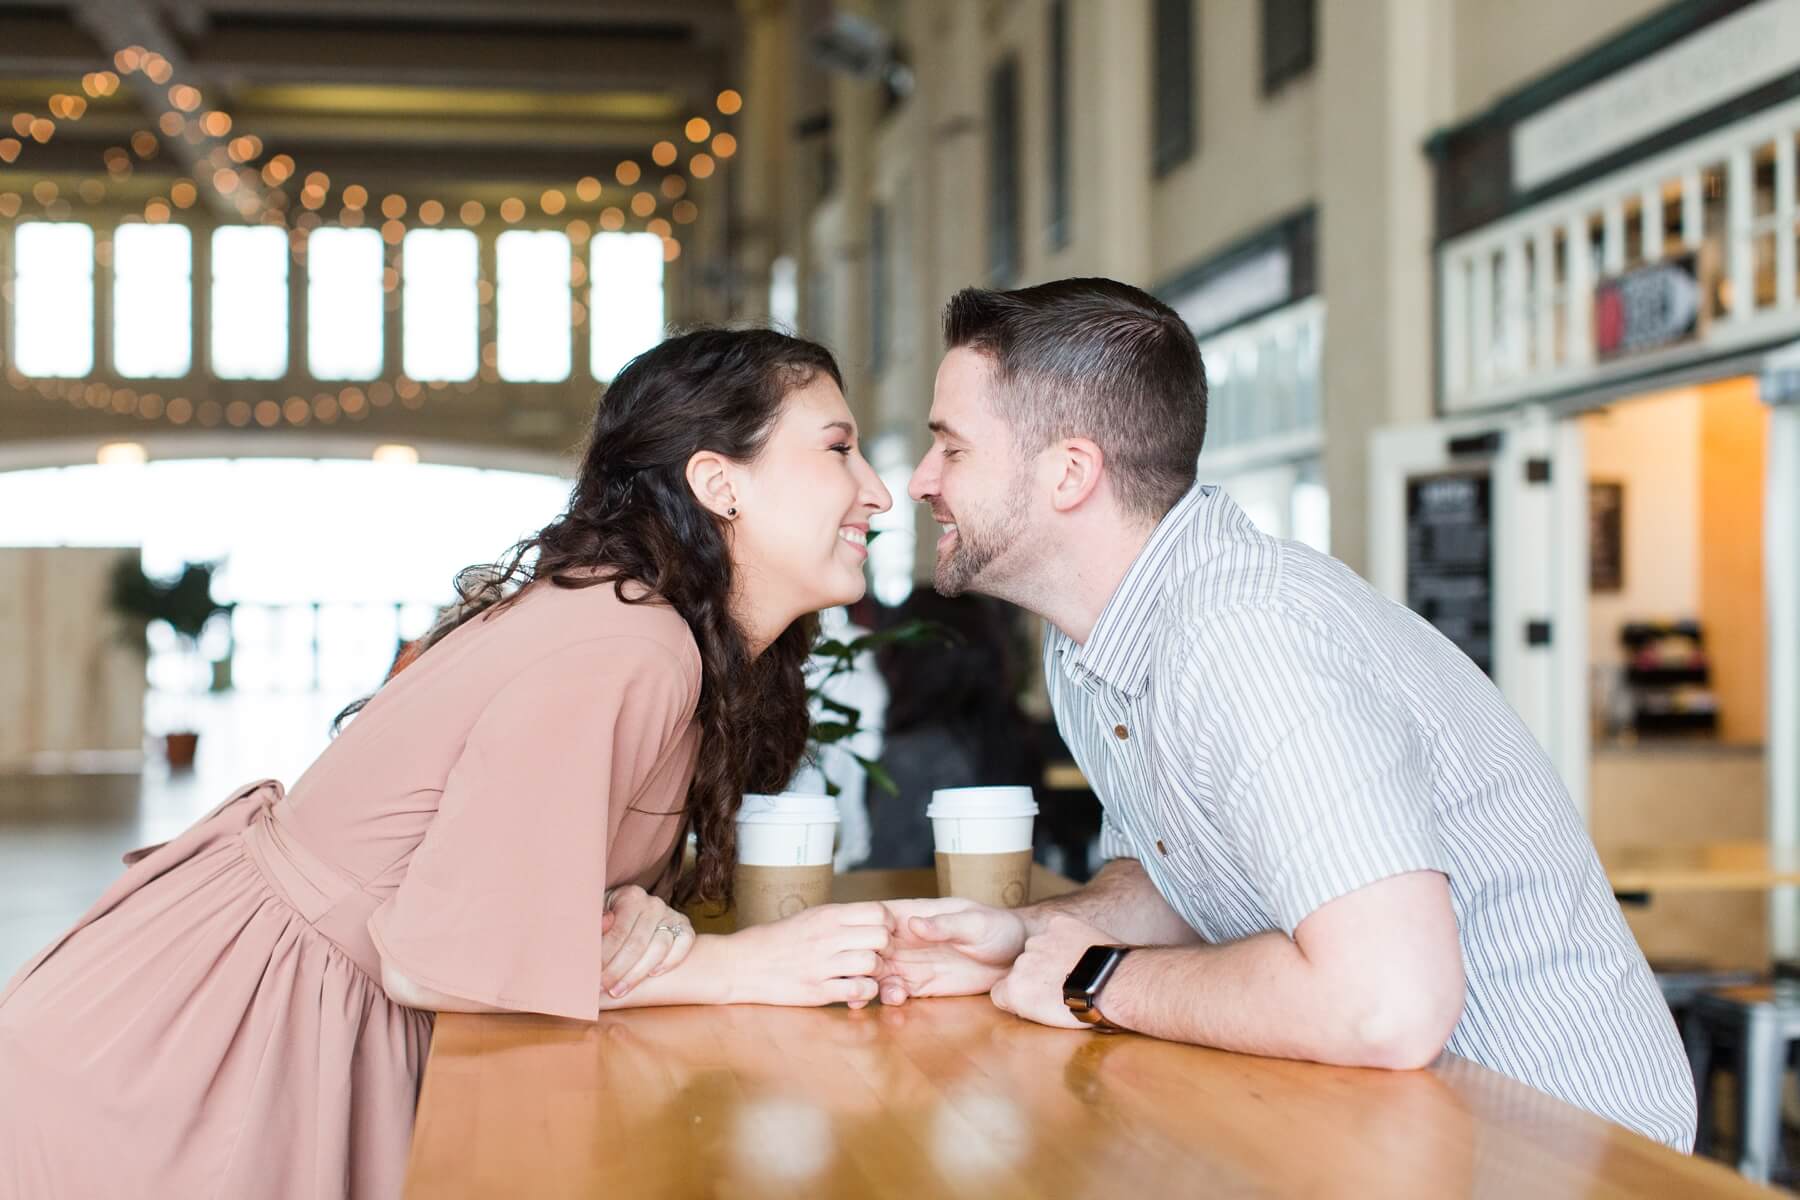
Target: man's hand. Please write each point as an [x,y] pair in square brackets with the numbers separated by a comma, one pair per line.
[947,947]
[1034,987]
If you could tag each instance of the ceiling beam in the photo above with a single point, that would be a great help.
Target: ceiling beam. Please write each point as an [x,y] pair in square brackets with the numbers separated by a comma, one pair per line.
[528,60]
[386,167]
[709,22]
[453,132]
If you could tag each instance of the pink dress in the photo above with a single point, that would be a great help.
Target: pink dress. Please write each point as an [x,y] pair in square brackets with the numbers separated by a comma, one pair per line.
[215,1026]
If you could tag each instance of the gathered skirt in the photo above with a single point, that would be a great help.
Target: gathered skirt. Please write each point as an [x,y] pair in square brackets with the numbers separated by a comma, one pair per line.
[196,1035]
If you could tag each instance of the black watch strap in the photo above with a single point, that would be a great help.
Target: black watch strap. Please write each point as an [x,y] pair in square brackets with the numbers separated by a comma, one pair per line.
[1082,988]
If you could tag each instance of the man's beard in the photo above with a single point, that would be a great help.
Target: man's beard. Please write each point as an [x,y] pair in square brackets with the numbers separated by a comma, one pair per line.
[974,551]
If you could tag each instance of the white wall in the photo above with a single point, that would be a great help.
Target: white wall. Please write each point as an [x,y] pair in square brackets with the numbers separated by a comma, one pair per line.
[68,686]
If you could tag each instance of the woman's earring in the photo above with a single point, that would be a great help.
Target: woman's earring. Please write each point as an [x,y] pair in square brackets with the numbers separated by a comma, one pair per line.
[731,512]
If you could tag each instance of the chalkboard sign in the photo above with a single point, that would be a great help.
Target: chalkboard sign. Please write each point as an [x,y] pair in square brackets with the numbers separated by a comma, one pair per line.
[1450,560]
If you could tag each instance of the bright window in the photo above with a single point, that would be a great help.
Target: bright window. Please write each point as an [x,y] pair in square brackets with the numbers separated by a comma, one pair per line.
[153,301]
[249,302]
[533,294]
[344,311]
[53,299]
[440,305]
[626,305]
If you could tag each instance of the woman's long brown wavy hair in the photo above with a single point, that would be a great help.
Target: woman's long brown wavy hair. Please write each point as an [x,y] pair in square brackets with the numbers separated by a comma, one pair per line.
[633,516]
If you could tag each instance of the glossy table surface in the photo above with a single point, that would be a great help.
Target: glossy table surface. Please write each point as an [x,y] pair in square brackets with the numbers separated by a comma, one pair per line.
[955,1098]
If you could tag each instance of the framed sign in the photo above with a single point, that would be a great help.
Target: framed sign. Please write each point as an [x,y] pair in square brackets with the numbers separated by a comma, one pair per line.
[1606,536]
[1653,306]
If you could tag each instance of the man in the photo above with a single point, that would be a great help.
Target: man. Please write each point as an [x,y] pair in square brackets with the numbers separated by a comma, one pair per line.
[1329,837]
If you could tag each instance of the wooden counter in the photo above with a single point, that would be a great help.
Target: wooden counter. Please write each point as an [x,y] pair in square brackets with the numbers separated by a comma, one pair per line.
[955,1098]
[1714,867]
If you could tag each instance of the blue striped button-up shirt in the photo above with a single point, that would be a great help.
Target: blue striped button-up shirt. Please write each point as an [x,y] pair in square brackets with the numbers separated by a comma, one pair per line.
[1267,733]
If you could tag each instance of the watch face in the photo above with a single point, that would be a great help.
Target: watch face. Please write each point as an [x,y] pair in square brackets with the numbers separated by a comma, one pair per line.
[1090,972]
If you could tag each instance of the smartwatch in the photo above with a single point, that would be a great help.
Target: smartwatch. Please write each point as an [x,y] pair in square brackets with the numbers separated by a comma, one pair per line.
[1081,990]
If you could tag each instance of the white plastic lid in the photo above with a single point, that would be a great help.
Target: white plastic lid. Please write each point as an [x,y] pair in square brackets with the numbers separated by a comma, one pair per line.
[982,802]
[789,808]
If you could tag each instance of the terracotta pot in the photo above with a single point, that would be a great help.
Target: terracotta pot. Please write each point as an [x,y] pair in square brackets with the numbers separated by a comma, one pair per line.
[180,748]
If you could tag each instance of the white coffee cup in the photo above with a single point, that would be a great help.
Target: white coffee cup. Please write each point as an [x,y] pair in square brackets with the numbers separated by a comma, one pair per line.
[784,856]
[793,829]
[983,843]
[982,820]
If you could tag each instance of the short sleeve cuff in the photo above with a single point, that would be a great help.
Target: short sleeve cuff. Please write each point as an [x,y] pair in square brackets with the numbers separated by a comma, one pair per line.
[1319,874]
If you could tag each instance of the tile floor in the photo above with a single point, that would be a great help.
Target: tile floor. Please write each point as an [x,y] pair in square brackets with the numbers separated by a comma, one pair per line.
[61,836]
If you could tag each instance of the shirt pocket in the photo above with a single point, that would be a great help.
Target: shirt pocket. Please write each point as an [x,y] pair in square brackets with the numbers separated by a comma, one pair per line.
[1201,881]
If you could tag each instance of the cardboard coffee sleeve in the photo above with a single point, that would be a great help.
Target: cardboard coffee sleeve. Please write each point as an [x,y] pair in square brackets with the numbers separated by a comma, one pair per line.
[765,894]
[1000,880]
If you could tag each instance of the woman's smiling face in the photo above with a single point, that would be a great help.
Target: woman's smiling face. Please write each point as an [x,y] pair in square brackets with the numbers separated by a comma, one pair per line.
[800,536]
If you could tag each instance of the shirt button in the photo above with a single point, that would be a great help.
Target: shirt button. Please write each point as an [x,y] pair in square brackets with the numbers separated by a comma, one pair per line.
[1120,732]
[1161,849]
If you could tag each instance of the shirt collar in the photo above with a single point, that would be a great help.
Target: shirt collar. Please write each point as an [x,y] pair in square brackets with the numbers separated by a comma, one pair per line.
[1118,650]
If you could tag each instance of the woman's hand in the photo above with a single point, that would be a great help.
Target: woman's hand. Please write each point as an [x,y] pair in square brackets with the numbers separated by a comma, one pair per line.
[948,947]
[640,936]
[824,955]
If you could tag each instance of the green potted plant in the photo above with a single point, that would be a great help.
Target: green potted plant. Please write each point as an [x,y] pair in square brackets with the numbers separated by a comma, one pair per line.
[186,602]
[840,722]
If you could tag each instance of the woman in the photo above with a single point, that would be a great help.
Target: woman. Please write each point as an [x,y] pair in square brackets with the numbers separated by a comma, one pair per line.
[246,1012]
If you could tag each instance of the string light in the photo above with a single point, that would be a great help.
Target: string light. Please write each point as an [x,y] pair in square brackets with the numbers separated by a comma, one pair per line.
[246,187]
[242,182]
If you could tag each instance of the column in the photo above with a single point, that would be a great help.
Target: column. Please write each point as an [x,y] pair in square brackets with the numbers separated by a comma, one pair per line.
[1111,72]
[1384,86]
[763,155]
[854,105]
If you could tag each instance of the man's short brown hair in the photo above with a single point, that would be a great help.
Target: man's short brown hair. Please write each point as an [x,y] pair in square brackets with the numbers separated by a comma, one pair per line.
[1098,359]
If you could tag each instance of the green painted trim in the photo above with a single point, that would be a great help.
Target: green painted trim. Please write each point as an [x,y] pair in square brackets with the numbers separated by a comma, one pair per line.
[1777,91]
[1292,230]
[1655,32]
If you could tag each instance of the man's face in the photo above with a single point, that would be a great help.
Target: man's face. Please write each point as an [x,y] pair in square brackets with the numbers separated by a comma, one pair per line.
[972,479]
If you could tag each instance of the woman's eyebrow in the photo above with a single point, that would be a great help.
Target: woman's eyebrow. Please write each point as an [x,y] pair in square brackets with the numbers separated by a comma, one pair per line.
[848,428]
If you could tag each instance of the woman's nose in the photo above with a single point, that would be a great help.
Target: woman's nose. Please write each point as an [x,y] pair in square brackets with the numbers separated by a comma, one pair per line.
[875,493]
